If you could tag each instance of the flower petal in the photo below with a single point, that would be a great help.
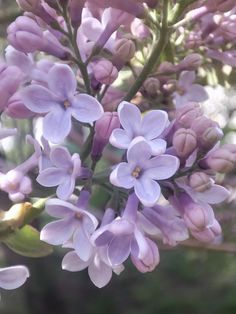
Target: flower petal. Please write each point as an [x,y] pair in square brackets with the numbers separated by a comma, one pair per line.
[99,272]
[62,81]
[161,167]
[61,157]
[13,277]
[153,124]
[86,108]
[82,244]
[58,208]
[66,188]
[38,99]
[139,151]
[58,232]
[216,194]
[120,139]
[186,78]
[130,117]
[158,146]
[51,177]
[148,191]
[197,93]
[57,125]
[140,247]
[72,262]
[119,249]
[121,176]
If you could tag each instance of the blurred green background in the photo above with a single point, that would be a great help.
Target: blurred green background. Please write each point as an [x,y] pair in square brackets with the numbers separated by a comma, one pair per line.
[187,281]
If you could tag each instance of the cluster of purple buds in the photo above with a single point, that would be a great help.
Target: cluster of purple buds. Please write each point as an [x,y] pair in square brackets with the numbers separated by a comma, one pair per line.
[146,143]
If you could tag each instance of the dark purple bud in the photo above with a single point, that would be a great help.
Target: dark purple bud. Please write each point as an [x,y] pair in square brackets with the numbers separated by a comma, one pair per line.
[152,86]
[75,11]
[124,49]
[103,129]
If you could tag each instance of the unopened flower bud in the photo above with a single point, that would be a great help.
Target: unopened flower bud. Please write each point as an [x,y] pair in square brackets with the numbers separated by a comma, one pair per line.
[139,29]
[152,86]
[200,181]
[220,160]
[103,129]
[190,62]
[15,216]
[75,10]
[25,35]
[16,108]
[187,114]
[209,234]
[201,124]
[149,262]
[29,5]
[104,72]
[125,49]
[184,142]
[210,137]
[167,68]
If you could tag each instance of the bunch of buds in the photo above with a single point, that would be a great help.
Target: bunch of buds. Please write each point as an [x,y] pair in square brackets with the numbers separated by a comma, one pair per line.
[144,142]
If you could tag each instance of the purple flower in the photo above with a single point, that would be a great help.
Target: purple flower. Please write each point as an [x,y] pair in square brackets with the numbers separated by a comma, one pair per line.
[64,171]
[123,237]
[59,102]
[13,277]
[141,171]
[74,223]
[150,127]
[187,91]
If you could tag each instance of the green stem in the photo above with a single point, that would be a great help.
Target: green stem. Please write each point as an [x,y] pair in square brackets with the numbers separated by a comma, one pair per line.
[155,55]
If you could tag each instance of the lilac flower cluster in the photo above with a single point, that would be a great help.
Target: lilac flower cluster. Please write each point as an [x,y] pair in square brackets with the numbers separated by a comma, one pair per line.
[146,144]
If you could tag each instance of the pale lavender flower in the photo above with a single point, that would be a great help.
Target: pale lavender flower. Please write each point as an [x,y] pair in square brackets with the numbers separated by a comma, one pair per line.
[75,223]
[141,171]
[63,173]
[187,91]
[13,277]
[149,127]
[123,237]
[226,57]
[99,268]
[60,102]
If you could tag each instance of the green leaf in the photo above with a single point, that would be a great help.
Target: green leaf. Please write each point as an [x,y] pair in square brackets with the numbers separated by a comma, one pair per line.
[26,242]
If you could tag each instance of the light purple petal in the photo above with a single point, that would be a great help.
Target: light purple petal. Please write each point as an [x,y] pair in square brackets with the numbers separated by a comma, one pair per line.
[38,99]
[61,157]
[91,28]
[51,177]
[119,249]
[139,151]
[66,188]
[153,124]
[140,247]
[86,108]
[130,117]
[58,232]
[72,262]
[57,125]
[89,222]
[148,191]
[216,194]
[197,93]
[99,272]
[158,146]
[13,277]
[121,176]
[82,244]
[186,78]
[120,138]
[161,167]
[62,81]
[58,208]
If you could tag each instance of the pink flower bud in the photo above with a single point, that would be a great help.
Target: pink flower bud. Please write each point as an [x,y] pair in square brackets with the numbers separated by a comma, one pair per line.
[16,108]
[139,29]
[25,35]
[210,137]
[209,234]
[152,86]
[75,10]
[149,262]
[187,114]
[167,68]
[184,142]
[220,160]
[201,124]
[125,49]
[197,217]
[200,181]
[190,62]
[103,129]
[104,72]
